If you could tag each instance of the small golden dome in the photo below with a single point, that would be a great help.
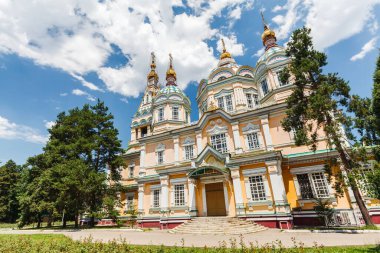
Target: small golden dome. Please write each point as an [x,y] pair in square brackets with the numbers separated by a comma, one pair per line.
[267,32]
[225,54]
[152,73]
[171,72]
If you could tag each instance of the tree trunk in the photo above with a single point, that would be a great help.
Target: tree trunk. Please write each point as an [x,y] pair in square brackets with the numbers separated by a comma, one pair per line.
[76,219]
[49,221]
[38,221]
[347,162]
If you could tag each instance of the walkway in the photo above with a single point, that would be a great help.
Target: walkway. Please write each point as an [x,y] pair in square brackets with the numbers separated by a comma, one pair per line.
[157,237]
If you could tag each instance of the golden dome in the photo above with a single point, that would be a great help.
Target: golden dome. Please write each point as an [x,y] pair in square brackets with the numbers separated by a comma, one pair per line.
[267,32]
[152,72]
[225,54]
[171,71]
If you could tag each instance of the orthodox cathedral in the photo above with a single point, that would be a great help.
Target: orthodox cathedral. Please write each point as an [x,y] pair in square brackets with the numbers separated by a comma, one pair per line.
[236,160]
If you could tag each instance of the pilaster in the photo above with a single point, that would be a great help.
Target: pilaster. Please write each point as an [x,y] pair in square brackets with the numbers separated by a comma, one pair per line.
[235,175]
[176,149]
[142,160]
[267,136]
[236,135]
[278,187]
[199,141]
[140,203]
[164,180]
[192,197]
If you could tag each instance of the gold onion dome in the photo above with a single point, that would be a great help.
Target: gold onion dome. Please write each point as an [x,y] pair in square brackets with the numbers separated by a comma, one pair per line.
[171,72]
[268,34]
[225,54]
[152,73]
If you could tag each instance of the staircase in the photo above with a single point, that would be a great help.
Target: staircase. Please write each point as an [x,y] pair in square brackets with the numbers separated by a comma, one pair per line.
[218,226]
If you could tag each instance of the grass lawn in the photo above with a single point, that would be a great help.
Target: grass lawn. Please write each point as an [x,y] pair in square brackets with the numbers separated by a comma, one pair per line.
[43,243]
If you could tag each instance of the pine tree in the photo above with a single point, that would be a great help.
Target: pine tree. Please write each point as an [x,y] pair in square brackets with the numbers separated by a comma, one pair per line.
[9,177]
[316,104]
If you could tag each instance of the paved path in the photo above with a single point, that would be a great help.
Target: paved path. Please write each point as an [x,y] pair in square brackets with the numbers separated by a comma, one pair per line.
[157,237]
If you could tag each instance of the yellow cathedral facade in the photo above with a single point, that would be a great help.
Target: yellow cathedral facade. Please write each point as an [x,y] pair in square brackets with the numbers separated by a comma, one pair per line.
[236,160]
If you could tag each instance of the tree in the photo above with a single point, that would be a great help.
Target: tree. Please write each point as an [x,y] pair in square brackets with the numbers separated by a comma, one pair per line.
[365,118]
[314,107]
[9,177]
[88,138]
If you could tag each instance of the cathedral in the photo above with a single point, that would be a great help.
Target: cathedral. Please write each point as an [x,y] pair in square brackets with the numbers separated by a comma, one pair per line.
[236,160]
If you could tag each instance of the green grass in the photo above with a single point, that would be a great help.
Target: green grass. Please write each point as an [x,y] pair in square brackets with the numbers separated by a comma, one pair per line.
[43,243]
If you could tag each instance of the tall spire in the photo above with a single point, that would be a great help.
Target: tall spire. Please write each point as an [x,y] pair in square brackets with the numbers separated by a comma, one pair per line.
[152,74]
[171,75]
[268,37]
[225,54]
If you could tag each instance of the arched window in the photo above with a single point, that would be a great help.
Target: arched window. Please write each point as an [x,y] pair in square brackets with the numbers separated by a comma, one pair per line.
[221,78]
[247,75]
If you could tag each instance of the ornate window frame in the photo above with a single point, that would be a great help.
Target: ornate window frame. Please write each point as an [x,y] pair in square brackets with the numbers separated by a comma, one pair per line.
[186,143]
[178,181]
[257,172]
[152,189]
[160,148]
[253,128]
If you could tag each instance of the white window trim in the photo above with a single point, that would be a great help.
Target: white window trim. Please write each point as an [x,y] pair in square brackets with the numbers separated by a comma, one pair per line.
[178,181]
[129,170]
[223,96]
[152,189]
[261,86]
[253,128]
[129,194]
[158,114]
[252,94]
[178,112]
[184,151]
[256,172]
[226,137]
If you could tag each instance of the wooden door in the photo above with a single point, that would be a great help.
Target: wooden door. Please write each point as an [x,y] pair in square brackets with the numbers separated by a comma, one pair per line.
[215,200]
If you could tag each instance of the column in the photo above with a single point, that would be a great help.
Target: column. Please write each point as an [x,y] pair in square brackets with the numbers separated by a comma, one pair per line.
[236,135]
[164,193]
[199,141]
[267,136]
[235,174]
[240,99]
[140,203]
[192,199]
[176,149]
[142,160]
[278,187]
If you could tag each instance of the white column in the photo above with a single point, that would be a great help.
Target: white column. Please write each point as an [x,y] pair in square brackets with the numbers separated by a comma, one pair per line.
[164,193]
[278,187]
[142,161]
[199,141]
[176,148]
[235,174]
[204,201]
[192,200]
[240,99]
[226,198]
[267,136]
[140,203]
[236,135]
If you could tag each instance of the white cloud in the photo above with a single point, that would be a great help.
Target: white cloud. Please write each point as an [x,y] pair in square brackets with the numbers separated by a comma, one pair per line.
[259,52]
[79,92]
[232,46]
[368,47]
[13,131]
[331,22]
[49,124]
[124,100]
[63,94]
[76,37]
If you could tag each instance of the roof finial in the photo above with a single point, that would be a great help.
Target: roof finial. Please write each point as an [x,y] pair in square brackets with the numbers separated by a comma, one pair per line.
[224,45]
[263,19]
[152,73]
[171,72]
[153,60]
[170,60]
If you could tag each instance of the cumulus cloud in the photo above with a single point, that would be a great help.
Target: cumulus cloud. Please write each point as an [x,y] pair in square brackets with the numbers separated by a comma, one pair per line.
[368,47]
[259,52]
[330,22]
[49,124]
[79,92]
[232,46]
[12,131]
[78,37]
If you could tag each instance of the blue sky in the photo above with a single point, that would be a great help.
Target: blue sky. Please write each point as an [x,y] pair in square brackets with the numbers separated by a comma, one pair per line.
[56,56]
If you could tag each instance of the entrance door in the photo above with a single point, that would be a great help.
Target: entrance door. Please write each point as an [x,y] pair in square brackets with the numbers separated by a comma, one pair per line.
[215,200]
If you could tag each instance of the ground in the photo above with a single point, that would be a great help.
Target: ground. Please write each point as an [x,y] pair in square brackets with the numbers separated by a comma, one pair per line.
[162,237]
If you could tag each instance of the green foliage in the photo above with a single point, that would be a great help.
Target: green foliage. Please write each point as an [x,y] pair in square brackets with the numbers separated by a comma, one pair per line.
[43,243]
[10,173]
[317,107]
[324,211]
[73,175]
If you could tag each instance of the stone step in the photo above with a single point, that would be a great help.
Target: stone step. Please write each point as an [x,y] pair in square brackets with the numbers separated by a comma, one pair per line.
[218,225]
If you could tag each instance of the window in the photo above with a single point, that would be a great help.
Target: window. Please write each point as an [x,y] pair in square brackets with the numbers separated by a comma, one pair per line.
[129,203]
[175,113]
[253,141]
[144,131]
[160,157]
[320,185]
[156,198]
[255,99]
[264,87]
[187,117]
[160,114]
[225,103]
[313,185]
[221,78]
[179,195]
[131,171]
[219,143]
[189,152]
[278,73]
[249,100]
[257,187]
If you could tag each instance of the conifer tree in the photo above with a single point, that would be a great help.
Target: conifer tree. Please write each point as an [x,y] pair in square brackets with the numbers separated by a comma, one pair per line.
[9,177]
[315,104]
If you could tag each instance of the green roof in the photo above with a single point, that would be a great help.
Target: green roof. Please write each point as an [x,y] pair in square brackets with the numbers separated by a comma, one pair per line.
[309,153]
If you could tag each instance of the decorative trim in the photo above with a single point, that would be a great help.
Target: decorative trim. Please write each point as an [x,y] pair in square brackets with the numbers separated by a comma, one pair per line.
[155,186]
[217,129]
[188,141]
[160,147]
[182,180]
[251,128]
[308,169]
[255,172]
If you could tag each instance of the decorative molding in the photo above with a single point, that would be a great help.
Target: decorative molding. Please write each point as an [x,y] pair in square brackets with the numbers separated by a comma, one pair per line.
[254,172]
[160,147]
[188,141]
[217,127]
[308,169]
[182,180]
[155,186]
[251,128]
